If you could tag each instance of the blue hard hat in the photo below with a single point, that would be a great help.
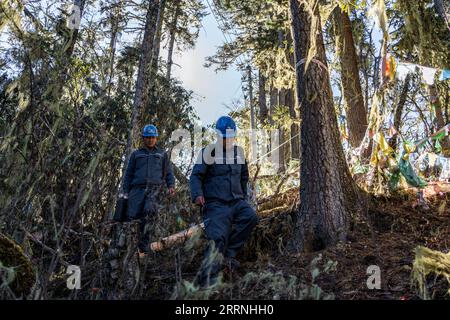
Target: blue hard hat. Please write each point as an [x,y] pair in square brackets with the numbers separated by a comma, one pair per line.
[150,131]
[226,127]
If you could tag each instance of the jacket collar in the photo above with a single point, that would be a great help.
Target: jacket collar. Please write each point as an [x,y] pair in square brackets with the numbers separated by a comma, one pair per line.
[155,148]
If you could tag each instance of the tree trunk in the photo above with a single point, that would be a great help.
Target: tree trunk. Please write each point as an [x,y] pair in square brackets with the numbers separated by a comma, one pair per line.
[149,110]
[263,111]
[157,38]
[399,111]
[142,81]
[74,37]
[273,102]
[351,84]
[440,10]
[172,35]
[115,17]
[282,133]
[62,66]
[294,112]
[323,217]
[436,103]
[250,98]
[295,128]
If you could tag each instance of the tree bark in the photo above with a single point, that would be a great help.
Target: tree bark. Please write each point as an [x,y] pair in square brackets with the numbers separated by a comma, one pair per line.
[351,84]
[282,133]
[250,98]
[295,128]
[399,111]
[436,104]
[294,112]
[115,20]
[147,108]
[142,81]
[157,38]
[172,35]
[323,217]
[263,111]
[273,102]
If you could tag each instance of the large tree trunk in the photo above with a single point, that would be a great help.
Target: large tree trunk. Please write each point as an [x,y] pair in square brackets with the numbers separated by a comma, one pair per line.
[323,217]
[282,134]
[295,128]
[294,112]
[351,84]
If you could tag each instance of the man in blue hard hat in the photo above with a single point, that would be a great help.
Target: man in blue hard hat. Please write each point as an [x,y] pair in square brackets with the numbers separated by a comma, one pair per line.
[218,184]
[147,171]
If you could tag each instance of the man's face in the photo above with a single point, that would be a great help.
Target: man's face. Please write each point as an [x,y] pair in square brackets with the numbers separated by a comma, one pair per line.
[150,142]
[228,143]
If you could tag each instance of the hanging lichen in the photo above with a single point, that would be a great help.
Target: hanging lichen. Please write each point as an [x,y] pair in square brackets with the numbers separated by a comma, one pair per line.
[13,260]
[427,262]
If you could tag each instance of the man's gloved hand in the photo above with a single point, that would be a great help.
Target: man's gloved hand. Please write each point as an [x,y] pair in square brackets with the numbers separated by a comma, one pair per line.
[124,195]
[171,191]
[200,201]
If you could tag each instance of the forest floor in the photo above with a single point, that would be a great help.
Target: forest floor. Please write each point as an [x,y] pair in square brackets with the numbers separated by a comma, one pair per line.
[396,227]
[393,228]
[390,230]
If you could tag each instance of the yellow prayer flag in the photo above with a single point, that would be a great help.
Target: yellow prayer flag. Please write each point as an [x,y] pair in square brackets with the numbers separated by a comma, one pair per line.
[393,68]
[384,145]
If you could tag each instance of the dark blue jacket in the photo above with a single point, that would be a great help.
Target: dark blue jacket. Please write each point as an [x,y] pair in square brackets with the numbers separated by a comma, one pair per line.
[219,181]
[148,167]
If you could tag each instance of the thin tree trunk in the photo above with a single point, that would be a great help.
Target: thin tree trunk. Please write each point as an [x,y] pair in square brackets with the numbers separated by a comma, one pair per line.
[436,103]
[148,108]
[399,111]
[142,82]
[250,98]
[263,111]
[322,219]
[63,68]
[73,39]
[447,103]
[112,45]
[172,35]
[351,84]
[157,38]
[273,102]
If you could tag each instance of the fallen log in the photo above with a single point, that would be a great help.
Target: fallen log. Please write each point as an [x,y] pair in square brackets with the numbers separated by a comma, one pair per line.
[433,188]
[176,238]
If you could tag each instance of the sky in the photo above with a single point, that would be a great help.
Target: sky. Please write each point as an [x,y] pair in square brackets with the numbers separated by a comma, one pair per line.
[211,90]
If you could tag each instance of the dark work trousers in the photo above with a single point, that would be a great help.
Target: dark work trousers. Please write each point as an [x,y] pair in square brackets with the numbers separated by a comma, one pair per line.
[143,203]
[228,226]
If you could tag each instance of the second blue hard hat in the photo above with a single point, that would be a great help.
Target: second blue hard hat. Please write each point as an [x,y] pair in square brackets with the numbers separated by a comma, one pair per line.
[226,126]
